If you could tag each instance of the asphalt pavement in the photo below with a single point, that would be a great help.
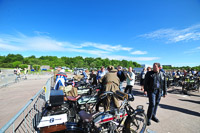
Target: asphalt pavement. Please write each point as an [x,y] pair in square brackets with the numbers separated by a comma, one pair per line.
[178,113]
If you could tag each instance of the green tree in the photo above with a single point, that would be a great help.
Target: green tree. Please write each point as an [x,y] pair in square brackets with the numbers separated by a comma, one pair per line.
[106,62]
[22,66]
[12,57]
[32,56]
[16,64]
[35,61]
[2,58]
[6,65]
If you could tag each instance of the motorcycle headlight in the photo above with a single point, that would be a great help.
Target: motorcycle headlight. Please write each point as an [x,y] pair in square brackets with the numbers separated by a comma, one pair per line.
[140,107]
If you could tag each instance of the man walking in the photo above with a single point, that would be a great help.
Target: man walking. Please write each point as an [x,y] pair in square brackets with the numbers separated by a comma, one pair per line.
[155,84]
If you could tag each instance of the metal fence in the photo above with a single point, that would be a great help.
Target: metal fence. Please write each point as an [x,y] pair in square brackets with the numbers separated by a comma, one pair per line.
[27,119]
[6,79]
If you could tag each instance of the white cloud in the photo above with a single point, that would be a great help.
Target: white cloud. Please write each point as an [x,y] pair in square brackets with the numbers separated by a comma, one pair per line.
[139,52]
[174,35]
[194,50]
[21,42]
[105,47]
[94,52]
[5,47]
[118,57]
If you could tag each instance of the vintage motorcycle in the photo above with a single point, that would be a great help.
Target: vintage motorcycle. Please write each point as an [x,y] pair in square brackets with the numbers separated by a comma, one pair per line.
[125,119]
[190,83]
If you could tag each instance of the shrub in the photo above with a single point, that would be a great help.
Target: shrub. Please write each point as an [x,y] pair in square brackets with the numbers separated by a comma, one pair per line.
[22,66]
[36,67]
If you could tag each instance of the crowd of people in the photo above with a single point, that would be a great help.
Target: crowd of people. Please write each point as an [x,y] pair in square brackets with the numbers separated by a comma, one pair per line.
[152,80]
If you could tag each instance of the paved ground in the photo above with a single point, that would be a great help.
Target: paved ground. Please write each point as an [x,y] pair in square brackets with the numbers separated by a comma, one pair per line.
[16,95]
[177,113]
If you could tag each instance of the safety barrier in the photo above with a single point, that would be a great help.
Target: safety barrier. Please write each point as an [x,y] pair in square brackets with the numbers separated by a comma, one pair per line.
[6,79]
[27,119]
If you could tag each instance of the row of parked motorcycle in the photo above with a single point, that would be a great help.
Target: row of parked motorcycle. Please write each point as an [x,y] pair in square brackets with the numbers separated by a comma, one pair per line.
[188,82]
[85,112]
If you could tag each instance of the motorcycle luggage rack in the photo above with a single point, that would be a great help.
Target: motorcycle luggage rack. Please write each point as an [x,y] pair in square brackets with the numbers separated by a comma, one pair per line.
[121,95]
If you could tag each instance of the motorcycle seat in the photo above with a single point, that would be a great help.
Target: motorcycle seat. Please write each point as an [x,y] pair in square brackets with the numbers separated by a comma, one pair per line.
[71,98]
[85,116]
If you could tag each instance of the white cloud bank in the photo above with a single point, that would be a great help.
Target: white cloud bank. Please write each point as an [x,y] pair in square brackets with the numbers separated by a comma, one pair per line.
[174,35]
[119,57]
[139,52]
[43,43]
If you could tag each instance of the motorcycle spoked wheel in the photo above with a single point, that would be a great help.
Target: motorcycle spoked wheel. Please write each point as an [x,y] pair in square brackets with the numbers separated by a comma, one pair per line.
[100,106]
[136,123]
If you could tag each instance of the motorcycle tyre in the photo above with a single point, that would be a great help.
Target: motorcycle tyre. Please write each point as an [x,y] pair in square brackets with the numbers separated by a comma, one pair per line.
[129,120]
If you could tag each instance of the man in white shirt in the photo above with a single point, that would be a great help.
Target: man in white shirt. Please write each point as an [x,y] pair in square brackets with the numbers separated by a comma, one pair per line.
[130,80]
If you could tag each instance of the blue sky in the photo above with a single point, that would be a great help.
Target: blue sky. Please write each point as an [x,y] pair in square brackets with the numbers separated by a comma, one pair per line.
[145,31]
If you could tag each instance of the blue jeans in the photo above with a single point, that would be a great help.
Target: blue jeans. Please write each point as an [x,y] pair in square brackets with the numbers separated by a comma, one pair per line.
[154,99]
[121,87]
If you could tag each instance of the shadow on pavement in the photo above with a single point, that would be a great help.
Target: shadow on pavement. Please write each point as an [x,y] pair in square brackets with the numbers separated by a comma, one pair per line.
[175,91]
[138,93]
[186,111]
[193,95]
[179,91]
[198,102]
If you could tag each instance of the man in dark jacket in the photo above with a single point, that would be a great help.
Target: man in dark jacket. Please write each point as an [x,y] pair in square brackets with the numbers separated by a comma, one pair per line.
[155,85]
[121,76]
[93,77]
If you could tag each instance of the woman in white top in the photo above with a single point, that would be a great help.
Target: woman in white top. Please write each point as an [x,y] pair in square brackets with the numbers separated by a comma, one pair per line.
[130,80]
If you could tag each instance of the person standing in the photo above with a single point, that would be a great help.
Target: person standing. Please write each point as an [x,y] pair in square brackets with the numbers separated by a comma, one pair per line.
[93,77]
[142,77]
[85,76]
[184,72]
[56,72]
[110,82]
[61,78]
[155,84]
[130,80]
[18,73]
[121,76]
[25,73]
[148,69]
[101,73]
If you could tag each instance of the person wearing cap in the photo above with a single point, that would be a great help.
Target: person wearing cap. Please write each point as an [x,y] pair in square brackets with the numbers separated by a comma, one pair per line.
[155,84]
[110,82]
[56,72]
[61,78]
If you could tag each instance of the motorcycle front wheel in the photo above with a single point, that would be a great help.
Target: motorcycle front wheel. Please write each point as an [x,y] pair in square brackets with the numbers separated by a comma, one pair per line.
[136,123]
